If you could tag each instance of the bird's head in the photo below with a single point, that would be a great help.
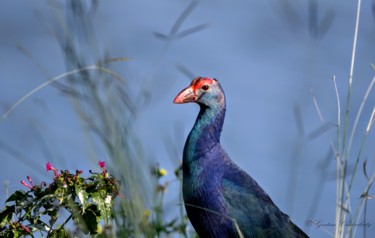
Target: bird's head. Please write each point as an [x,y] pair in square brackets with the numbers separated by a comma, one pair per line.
[204,91]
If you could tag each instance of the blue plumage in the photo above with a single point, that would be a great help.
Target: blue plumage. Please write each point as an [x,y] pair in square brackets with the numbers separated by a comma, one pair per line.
[220,198]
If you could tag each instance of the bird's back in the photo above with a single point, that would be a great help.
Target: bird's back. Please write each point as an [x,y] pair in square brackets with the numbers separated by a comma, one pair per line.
[253,210]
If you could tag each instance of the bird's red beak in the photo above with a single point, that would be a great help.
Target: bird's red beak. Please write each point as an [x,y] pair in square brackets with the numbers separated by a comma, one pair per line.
[186,95]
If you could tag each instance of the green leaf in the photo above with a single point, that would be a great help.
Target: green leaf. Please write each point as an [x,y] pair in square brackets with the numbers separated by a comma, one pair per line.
[104,205]
[88,221]
[15,233]
[59,233]
[6,215]
[82,196]
[18,196]
[92,218]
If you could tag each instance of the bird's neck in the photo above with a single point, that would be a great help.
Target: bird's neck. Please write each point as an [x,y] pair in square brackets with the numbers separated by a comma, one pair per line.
[205,133]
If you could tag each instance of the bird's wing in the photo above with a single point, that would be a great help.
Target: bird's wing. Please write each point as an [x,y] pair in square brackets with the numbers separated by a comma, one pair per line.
[251,209]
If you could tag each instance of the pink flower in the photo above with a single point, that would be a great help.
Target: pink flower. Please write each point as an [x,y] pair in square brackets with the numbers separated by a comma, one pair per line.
[25,228]
[50,167]
[101,164]
[31,182]
[26,185]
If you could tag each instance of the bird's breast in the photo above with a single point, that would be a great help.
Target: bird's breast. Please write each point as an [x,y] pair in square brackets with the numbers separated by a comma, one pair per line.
[205,206]
[202,188]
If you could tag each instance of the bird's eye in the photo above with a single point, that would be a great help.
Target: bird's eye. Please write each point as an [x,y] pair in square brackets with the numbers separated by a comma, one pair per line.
[205,87]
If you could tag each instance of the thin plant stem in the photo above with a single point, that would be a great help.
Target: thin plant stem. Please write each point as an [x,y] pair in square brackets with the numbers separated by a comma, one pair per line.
[45,84]
[317,107]
[340,216]
[240,234]
[359,114]
[360,207]
[360,149]
[338,160]
[363,139]
[351,73]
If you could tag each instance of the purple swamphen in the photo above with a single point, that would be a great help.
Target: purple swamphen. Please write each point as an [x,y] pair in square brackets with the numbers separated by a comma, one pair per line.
[221,199]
